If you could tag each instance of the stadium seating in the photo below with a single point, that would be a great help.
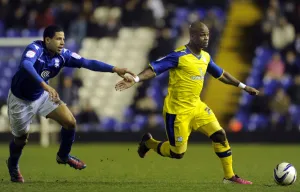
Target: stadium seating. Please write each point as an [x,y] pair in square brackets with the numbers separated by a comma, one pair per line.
[258,77]
[8,65]
[121,52]
[129,49]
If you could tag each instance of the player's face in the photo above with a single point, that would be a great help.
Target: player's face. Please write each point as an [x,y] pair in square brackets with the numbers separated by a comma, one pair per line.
[202,37]
[56,44]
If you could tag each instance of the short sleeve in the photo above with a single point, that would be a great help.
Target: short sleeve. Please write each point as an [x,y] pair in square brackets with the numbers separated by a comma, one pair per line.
[165,63]
[71,59]
[214,69]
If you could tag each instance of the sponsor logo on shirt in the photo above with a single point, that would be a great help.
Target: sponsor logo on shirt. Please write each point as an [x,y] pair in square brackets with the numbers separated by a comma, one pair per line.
[199,77]
[45,74]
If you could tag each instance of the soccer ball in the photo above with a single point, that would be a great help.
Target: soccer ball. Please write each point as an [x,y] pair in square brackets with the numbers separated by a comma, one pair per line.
[285,174]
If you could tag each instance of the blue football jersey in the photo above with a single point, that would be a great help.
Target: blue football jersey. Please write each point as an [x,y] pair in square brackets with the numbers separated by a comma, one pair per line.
[24,86]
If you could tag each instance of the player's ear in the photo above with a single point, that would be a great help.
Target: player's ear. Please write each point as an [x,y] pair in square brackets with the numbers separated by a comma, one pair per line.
[47,39]
[193,36]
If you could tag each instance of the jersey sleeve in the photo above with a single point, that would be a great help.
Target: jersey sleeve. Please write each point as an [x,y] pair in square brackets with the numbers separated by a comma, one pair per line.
[213,69]
[76,61]
[72,59]
[165,63]
[31,53]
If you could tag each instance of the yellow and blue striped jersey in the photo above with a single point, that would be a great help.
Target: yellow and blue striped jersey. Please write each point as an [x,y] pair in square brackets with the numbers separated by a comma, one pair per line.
[186,77]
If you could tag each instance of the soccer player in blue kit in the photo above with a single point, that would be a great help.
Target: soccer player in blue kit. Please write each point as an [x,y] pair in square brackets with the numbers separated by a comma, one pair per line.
[30,94]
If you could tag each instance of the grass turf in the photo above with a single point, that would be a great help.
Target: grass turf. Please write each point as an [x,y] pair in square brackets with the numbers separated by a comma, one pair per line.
[117,167]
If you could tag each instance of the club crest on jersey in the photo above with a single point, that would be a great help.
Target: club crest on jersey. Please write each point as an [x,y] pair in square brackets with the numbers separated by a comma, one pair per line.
[56,62]
[45,74]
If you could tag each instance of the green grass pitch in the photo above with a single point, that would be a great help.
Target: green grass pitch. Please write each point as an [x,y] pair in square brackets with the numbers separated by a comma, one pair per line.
[117,167]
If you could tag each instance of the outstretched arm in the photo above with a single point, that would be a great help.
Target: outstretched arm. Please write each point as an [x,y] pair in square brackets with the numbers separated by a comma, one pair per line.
[157,67]
[75,60]
[95,65]
[148,73]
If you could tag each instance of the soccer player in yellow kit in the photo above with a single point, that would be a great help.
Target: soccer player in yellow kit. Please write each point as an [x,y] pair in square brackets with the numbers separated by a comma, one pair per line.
[183,110]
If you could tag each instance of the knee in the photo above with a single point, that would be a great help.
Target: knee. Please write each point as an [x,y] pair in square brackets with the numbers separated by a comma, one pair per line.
[70,123]
[21,141]
[219,136]
[176,155]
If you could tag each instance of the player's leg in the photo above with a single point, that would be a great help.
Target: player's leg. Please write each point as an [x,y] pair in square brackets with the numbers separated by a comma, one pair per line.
[223,151]
[177,128]
[65,118]
[206,122]
[221,146]
[60,113]
[20,114]
[15,151]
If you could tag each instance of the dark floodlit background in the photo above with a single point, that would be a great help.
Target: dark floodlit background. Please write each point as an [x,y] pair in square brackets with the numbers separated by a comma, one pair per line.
[256,41]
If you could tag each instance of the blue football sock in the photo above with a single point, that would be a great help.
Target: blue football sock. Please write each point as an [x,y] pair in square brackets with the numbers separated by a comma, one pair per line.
[15,152]
[67,139]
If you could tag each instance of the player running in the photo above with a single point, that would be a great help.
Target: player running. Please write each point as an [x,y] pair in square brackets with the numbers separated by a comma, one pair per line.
[183,110]
[30,94]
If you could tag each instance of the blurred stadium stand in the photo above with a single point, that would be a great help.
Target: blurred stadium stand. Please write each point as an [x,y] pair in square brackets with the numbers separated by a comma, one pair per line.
[275,71]
[123,33]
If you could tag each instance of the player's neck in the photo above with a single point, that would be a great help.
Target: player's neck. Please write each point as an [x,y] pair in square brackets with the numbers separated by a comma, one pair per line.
[52,54]
[194,49]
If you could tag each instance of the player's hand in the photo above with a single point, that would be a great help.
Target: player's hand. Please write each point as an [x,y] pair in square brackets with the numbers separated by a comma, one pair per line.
[125,83]
[122,71]
[52,92]
[251,90]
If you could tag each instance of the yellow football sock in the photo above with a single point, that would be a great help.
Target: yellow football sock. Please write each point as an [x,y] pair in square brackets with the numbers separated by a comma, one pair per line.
[164,149]
[160,147]
[223,151]
[152,144]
